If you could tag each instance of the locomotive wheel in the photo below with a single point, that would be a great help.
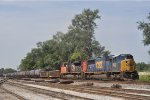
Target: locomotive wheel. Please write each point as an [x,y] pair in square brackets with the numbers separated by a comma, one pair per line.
[83,76]
[61,76]
[127,75]
[121,76]
[108,75]
[115,77]
[135,76]
[75,77]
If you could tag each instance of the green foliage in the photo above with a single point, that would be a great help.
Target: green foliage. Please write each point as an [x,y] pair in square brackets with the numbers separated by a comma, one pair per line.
[78,43]
[144,78]
[76,56]
[1,71]
[7,70]
[85,23]
[84,56]
[145,27]
[143,67]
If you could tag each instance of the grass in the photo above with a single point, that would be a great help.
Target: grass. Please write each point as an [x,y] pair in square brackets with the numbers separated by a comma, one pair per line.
[144,78]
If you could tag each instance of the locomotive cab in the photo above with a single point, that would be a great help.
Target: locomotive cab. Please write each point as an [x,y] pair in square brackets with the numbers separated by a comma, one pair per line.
[128,67]
[76,66]
[127,63]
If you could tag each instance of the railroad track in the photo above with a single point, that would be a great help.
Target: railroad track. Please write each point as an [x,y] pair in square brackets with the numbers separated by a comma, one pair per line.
[112,93]
[115,82]
[12,93]
[121,93]
[2,81]
[124,90]
[100,81]
[61,96]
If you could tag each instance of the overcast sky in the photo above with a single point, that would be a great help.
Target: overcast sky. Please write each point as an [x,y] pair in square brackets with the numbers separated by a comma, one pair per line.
[23,24]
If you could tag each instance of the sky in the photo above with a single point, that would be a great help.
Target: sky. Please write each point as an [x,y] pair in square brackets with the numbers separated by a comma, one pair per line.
[24,23]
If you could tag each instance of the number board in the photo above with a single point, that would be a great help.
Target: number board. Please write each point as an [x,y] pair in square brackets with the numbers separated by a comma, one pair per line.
[114,64]
[99,64]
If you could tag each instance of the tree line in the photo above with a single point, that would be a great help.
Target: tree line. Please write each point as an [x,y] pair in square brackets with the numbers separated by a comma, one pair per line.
[76,44]
[143,66]
[5,71]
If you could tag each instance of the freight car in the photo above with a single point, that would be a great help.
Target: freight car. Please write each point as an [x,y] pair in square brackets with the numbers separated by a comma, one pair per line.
[38,73]
[25,74]
[50,74]
[120,66]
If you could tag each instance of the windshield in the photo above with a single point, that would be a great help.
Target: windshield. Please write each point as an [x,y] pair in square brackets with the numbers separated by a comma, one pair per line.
[77,64]
[91,61]
[129,57]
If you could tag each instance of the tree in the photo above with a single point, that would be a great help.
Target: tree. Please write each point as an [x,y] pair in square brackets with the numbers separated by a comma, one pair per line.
[76,44]
[143,67]
[145,27]
[1,71]
[76,56]
[85,22]
[7,70]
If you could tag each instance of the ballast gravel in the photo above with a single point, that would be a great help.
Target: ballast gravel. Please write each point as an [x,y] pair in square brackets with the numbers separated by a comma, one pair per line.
[28,95]
[6,96]
[124,86]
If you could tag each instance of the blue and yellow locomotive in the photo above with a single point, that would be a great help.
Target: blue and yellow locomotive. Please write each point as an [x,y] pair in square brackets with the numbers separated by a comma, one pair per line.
[117,67]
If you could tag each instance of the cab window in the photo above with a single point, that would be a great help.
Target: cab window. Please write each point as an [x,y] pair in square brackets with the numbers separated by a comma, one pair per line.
[91,62]
[77,63]
[129,57]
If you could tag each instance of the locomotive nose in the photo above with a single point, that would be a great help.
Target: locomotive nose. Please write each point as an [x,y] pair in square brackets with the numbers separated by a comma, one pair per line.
[131,65]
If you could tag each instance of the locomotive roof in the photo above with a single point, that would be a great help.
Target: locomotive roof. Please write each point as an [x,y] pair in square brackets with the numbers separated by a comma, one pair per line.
[77,61]
[91,59]
[121,55]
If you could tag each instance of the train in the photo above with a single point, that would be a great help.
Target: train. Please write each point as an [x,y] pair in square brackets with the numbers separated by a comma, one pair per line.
[120,66]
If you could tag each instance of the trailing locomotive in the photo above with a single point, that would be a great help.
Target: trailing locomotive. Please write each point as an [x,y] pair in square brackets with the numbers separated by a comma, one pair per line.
[120,66]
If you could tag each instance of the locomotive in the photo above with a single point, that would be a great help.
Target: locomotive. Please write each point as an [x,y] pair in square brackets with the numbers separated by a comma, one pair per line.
[120,66]
[114,67]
